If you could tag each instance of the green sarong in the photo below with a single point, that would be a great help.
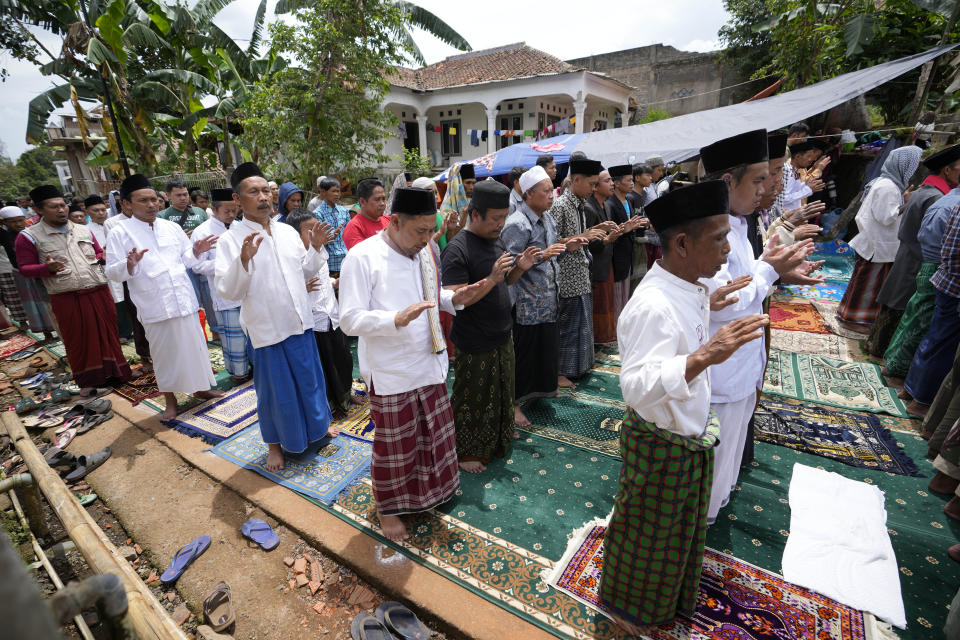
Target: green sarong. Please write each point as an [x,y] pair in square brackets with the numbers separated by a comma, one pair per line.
[654,544]
[913,325]
[482,400]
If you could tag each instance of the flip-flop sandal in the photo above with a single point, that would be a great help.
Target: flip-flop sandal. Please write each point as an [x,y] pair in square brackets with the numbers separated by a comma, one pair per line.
[57,457]
[91,420]
[260,532]
[31,380]
[218,608]
[45,422]
[184,557]
[401,621]
[65,438]
[87,499]
[73,422]
[98,405]
[366,627]
[87,463]
[33,421]
[26,353]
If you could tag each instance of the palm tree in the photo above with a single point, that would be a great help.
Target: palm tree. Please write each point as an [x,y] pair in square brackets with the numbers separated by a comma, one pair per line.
[416,15]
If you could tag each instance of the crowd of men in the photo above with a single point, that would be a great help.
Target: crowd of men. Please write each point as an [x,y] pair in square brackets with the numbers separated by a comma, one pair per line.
[516,284]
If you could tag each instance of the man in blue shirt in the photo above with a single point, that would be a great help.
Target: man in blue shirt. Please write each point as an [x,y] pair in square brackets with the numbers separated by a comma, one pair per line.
[337,217]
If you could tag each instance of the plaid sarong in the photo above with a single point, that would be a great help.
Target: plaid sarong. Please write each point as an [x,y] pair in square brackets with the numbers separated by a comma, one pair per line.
[654,544]
[11,298]
[234,342]
[414,466]
[859,303]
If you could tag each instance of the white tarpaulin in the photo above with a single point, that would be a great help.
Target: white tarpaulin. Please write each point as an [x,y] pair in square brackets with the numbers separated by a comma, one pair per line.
[681,138]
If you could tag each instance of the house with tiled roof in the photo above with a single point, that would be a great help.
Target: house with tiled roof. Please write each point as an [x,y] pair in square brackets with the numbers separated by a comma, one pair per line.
[475,103]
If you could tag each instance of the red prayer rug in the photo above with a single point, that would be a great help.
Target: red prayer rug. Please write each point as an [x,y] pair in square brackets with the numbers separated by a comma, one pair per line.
[139,389]
[17,343]
[796,316]
[736,599]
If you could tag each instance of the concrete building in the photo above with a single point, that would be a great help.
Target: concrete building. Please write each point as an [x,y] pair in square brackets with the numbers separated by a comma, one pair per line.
[63,136]
[514,89]
[666,78]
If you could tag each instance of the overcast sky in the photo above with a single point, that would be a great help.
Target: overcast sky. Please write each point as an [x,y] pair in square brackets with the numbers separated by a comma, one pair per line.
[567,29]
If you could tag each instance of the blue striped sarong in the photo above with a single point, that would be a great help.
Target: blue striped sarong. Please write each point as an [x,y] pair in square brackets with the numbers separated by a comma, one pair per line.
[234,342]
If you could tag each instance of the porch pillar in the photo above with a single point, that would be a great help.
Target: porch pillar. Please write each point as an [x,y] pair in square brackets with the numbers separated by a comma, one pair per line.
[491,127]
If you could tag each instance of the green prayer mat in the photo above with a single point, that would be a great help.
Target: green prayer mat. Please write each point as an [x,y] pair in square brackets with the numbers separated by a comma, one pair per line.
[824,380]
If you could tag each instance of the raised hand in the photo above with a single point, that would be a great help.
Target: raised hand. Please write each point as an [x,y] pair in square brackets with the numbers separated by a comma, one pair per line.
[528,258]
[501,268]
[821,164]
[469,294]
[815,183]
[594,234]
[732,336]
[607,226]
[411,313]
[805,212]
[719,299]
[53,265]
[553,251]
[907,194]
[314,284]
[324,233]
[786,258]
[249,248]
[805,231]
[801,274]
[134,258]
[203,245]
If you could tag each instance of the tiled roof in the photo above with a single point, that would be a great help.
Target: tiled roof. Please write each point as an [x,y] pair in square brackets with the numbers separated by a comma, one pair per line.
[489,65]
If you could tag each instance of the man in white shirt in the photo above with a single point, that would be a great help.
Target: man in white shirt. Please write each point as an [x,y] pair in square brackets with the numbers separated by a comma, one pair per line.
[802,156]
[152,256]
[390,296]
[668,437]
[742,161]
[650,191]
[233,339]
[262,264]
[126,310]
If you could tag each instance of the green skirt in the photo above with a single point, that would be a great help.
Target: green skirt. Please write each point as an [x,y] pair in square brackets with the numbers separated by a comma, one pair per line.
[913,325]
[482,401]
[654,544]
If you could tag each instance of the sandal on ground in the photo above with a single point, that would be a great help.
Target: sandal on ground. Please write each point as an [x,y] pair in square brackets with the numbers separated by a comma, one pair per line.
[184,557]
[26,353]
[260,532]
[96,393]
[65,438]
[27,405]
[366,627]
[401,621]
[57,457]
[87,499]
[204,632]
[87,463]
[218,608]
[42,421]
[91,420]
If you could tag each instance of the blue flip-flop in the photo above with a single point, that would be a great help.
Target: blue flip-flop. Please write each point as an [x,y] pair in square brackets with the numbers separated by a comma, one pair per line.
[261,533]
[184,558]
[401,621]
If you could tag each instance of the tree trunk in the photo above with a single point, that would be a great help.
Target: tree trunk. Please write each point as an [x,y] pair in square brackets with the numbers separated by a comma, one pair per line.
[926,73]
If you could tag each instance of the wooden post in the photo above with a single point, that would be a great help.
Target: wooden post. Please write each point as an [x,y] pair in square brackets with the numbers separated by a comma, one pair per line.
[149,618]
[926,72]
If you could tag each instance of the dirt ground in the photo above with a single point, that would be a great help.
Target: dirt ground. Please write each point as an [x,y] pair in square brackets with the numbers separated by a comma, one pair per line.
[152,500]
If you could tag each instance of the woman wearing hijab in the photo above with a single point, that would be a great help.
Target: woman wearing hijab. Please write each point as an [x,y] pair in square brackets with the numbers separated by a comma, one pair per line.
[876,244]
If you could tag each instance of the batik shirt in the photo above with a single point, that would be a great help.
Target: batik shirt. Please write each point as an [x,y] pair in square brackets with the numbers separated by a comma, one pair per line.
[574,279]
[535,293]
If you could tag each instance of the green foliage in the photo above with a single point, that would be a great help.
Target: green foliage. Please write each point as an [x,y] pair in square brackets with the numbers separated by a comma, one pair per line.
[655,114]
[326,115]
[416,164]
[33,168]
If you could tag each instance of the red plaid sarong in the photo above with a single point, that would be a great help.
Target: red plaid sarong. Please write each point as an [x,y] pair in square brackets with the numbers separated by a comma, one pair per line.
[414,466]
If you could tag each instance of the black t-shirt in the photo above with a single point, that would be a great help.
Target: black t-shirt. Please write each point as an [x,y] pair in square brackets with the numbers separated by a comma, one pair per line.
[486,324]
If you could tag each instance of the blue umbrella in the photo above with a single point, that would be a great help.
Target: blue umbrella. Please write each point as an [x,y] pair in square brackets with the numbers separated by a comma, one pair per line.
[524,154]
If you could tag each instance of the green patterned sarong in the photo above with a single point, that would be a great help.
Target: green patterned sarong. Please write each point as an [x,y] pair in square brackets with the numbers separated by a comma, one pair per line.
[482,401]
[654,544]
[913,325]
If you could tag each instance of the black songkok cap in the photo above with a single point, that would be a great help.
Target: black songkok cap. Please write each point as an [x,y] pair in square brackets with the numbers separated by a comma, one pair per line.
[620,170]
[134,183]
[242,172]
[804,146]
[701,200]
[467,172]
[585,167]
[74,207]
[414,202]
[92,200]
[221,195]
[490,194]
[745,148]
[44,192]
[939,160]
[777,145]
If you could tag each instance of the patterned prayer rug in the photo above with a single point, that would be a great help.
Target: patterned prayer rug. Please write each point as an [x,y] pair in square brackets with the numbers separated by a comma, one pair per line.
[322,472]
[829,291]
[827,344]
[56,349]
[357,423]
[828,312]
[216,420]
[736,599]
[796,316]
[852,438]
[838,260]
[138,389]
[18,342]
[848,385]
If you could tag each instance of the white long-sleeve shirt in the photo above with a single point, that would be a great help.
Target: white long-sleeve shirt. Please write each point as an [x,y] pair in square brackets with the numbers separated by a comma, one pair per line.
[794,192]
[742,373]
[273,293]
[207,265]
[376,282]
[664,322]
[116,288]
[323,302]
[878,220]
[159,285]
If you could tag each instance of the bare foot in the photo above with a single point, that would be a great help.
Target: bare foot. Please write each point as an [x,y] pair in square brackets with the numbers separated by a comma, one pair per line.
[472,466]
[274,458]
[519,419]
[393,527]
[170,412]
[565,383]
[355,399]
[146,366]
[333,431]
[212,393]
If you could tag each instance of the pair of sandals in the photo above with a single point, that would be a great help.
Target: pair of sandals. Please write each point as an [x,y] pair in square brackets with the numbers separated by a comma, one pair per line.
[74,468]
[393,621]
[255,529]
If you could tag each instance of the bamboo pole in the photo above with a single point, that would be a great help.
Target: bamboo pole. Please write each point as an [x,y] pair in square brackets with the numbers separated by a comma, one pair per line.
[149,618]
